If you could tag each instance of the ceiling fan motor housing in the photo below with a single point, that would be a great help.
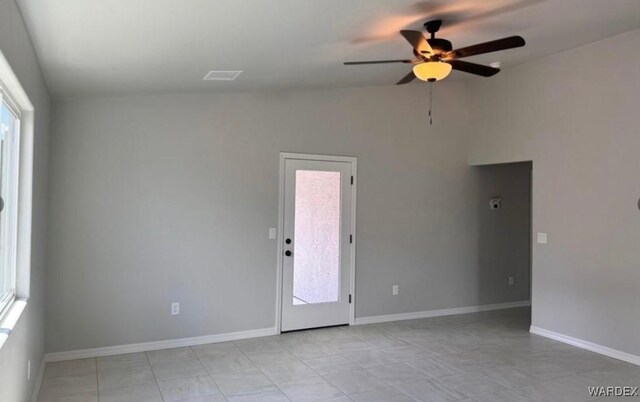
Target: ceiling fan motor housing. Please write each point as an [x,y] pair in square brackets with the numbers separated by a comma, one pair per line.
[440,45]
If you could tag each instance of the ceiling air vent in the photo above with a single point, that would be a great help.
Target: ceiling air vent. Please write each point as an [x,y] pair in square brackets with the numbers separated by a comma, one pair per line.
[221,75]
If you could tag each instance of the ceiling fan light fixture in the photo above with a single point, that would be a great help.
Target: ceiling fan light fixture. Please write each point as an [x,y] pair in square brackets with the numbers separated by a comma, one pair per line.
[432,70]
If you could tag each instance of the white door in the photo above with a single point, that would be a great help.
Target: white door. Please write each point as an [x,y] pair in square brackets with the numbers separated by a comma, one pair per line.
[317,243]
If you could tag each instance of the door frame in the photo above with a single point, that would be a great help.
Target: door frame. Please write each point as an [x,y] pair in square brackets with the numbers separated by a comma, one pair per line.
[280,238]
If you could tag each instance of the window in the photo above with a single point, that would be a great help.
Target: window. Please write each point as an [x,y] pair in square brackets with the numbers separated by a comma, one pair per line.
[9,156]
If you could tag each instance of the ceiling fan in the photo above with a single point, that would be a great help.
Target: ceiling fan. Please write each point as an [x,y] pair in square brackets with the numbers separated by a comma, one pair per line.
[435,57]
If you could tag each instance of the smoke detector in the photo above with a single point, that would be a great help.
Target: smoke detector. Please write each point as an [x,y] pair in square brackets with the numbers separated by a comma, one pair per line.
[221,75]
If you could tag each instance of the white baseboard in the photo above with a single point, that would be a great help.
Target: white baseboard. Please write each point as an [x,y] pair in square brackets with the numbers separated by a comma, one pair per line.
[593,347]
[232,336]
[147,346]
[439,313]
[36,386]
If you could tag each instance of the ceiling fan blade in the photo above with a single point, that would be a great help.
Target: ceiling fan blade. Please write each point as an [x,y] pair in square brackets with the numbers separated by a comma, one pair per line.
[354,63]
[473,68]
[418,41]
[486,47]
[406,79]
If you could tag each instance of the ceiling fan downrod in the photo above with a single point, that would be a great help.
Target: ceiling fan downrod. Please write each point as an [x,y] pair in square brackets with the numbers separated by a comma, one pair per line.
[432,27]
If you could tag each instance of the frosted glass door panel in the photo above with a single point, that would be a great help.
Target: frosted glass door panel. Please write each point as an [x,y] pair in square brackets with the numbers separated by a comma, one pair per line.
[316,255]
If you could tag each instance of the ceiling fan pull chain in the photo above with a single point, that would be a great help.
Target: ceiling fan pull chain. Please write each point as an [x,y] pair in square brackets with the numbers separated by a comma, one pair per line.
[430,103]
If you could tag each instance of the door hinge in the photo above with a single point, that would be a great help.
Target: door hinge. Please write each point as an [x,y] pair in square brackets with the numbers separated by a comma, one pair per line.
[350,239]
[352,180]
[349,299]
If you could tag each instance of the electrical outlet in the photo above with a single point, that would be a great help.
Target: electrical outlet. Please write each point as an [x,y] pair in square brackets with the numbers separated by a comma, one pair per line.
[394,290]
[28,370]
[175,308]
[512,281]
[273,232]
[542,238]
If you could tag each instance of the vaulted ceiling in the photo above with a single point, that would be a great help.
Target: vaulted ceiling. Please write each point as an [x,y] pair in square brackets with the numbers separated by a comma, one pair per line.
[106,47]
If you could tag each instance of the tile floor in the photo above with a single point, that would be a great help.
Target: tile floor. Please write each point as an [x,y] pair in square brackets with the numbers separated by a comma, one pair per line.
[483,357]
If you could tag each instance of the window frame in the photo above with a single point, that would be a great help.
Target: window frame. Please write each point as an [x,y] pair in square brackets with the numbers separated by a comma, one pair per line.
[10,176]
[15,93]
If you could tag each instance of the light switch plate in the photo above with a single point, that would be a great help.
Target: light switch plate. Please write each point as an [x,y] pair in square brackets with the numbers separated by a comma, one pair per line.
[542,238]
[175,308]
[273,232]
[394,290]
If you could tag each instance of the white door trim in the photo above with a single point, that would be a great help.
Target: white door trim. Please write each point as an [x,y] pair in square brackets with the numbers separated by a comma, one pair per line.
[352,265]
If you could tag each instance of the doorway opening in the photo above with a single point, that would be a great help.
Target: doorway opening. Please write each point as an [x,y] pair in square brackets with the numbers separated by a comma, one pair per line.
[505,236]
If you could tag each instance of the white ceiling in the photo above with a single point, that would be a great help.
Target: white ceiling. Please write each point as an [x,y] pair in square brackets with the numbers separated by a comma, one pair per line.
[97,47]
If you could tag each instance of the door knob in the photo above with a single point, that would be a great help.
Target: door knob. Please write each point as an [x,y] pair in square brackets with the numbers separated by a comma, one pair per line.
[287,253]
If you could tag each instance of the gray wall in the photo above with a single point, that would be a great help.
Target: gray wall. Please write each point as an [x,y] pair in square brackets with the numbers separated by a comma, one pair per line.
[27,340]
[576,117]
[169,198]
